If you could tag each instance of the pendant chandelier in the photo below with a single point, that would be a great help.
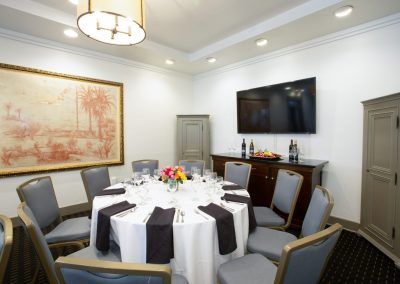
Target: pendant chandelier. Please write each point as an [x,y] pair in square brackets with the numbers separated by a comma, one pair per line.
[118,22]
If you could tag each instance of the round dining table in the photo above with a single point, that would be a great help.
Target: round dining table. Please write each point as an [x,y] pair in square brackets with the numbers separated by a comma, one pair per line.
[195,238]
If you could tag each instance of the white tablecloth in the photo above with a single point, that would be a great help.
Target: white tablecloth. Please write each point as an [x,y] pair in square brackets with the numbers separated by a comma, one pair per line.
[196,248]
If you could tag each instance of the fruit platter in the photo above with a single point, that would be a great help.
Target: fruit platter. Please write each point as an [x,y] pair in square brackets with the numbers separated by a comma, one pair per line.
[267,155]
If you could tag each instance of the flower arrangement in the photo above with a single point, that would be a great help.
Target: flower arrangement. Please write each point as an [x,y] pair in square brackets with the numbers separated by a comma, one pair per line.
[173,173]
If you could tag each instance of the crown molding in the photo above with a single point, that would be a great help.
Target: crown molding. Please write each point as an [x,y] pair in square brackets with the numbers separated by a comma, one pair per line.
[337,36]
[24,38]
[289,16]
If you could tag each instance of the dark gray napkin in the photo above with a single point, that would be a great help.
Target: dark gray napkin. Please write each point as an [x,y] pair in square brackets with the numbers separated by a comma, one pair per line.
[246,200]
[225,227]
[112,191]
[160,238]
[232,187]
[103,223]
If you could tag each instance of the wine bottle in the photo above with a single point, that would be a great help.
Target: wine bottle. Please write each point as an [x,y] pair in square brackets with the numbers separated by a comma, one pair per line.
[251,150]
[243,148]
[295,151]
[291,150]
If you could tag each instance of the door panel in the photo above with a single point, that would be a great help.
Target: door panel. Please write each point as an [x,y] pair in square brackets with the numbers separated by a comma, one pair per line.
[192,144]
[381,169]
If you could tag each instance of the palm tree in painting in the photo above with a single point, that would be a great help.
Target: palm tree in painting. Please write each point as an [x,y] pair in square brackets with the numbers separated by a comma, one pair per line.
[102,105]
[8,106]
[18,110]
[86,98]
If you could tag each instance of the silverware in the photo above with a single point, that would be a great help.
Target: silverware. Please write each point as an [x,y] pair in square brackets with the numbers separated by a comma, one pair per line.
[182,214]
[197,211]
[177,215]
[126,212]
[147,217]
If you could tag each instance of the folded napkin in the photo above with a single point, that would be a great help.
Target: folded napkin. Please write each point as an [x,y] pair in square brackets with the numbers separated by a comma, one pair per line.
[160,238]
[112,191]
[246,200]
[232,187]
[103,223]
[225,227]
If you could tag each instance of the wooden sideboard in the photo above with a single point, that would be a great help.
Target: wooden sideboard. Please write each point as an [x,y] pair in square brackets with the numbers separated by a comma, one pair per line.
[263,178]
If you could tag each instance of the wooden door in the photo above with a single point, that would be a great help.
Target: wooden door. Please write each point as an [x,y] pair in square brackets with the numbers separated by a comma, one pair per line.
[192,140]
[380,177]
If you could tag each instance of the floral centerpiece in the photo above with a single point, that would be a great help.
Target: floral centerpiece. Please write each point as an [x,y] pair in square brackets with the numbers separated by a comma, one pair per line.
[173,176]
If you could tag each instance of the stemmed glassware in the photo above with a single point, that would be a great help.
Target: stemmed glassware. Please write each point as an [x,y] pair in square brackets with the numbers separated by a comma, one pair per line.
[146,174]
[156,175]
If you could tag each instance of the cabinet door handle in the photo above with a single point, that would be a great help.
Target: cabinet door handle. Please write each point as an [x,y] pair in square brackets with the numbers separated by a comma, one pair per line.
[266,177]
[254,168]
[272,178]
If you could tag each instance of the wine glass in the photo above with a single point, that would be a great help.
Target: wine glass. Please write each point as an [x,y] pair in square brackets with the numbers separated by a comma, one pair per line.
[146,174]
[157,175]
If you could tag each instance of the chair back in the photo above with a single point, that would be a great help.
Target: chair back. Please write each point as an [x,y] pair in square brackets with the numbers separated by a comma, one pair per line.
[39,195]
[238,173]
[95,179]
[6,239]
[304,260]
[71,270]
[138,166]
[318,211]
[189,164]
[287,188]
[38,240]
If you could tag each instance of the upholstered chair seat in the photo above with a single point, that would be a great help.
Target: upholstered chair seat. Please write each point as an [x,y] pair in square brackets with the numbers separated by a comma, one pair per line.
[95,179]
[265,216]
[270,242]
[70,229]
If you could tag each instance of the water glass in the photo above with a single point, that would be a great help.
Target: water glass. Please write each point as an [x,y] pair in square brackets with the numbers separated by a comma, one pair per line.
[157,174]
[146,174]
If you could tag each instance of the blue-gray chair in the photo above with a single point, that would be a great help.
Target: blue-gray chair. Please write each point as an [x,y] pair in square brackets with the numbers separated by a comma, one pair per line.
[238,173]
[269,242]
[303,261]
[6,239]
[189,164]
[287,188]
[138,166]
[81,266]
[95,179]
[39,195]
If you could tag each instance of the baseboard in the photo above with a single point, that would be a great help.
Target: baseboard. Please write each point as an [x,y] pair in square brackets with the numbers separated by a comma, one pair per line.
[68,210]
[388,253]
[348,225]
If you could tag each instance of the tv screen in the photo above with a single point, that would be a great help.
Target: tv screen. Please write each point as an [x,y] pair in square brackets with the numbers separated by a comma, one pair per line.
[282,108]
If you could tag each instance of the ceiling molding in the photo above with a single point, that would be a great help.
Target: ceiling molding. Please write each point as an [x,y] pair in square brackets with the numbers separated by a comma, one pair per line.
[354,31]
[40,10]
[24,38]
[263,27]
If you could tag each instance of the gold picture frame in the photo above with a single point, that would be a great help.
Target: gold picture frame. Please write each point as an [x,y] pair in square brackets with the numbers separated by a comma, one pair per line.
[52,121]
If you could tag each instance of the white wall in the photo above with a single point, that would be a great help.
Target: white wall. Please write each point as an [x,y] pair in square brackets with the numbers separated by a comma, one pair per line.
[151,102]
[348,71]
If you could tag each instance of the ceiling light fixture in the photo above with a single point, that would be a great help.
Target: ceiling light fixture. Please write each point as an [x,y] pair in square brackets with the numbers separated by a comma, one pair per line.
[344,11]
[169,62]
[211,59]
[75,2]
[119,22]
[71,33]
[261,42]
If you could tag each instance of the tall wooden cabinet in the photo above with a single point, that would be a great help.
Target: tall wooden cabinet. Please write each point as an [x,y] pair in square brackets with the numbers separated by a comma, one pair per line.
[194,138]
[380,202]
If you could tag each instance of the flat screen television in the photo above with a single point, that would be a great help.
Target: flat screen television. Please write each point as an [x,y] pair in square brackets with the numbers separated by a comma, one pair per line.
[282,108]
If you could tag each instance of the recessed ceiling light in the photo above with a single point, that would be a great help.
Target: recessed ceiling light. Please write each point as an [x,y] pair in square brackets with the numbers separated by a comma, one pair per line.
[344,11]
[75,2]
[170,61]
[211,59]
[70,33]
[261,42]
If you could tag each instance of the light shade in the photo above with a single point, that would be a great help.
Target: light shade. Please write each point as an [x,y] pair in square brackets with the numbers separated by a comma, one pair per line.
[118,22]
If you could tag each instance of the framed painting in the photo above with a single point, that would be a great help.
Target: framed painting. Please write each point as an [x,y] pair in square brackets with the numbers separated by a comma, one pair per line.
[51,121]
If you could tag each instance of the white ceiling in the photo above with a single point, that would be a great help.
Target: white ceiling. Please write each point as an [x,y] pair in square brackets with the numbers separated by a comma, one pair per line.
[188,31]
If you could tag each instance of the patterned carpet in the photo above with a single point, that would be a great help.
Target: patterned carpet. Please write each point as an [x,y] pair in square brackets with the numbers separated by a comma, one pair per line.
[354,260]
